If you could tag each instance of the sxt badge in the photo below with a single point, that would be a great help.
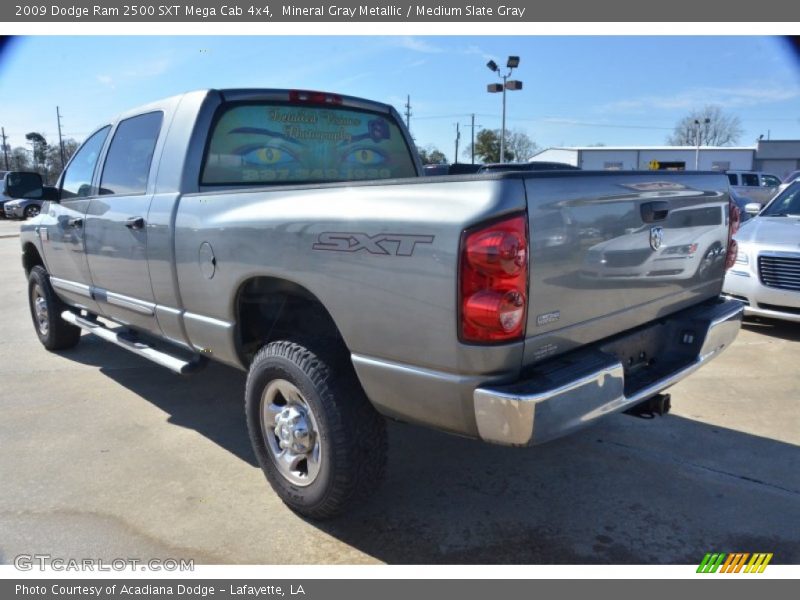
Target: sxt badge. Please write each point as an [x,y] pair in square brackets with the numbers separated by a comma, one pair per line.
[394,244]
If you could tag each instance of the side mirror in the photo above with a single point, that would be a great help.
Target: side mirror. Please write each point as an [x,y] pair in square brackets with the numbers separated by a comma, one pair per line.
[752,208]
[23,184]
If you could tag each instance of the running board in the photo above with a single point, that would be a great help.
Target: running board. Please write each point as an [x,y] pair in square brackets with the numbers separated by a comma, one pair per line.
[170,361]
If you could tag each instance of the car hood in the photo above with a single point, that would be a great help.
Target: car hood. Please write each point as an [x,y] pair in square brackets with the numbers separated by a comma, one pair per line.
[775,231]
[641,239]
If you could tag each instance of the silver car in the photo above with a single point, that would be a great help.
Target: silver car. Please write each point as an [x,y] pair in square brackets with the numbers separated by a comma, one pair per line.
[24,208]
[766,276]
[757,186]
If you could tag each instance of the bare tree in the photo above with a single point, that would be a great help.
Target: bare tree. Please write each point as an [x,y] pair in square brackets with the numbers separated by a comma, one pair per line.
[521,146]
[707,127]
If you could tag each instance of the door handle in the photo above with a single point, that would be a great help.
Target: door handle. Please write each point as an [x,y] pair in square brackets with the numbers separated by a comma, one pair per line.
[654,211]
[135,223]
[75,223]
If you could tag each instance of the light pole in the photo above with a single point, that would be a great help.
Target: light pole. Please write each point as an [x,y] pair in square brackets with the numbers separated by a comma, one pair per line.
[697,124]
[493,88]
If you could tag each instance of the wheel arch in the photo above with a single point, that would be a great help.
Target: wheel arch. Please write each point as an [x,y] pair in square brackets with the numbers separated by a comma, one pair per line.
[31,257]
[271,308]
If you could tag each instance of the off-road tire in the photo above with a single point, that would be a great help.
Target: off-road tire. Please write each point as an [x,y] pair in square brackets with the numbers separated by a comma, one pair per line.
[352,435]
[57,334]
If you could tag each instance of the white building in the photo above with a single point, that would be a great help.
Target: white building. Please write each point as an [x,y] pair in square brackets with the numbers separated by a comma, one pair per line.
[627,158]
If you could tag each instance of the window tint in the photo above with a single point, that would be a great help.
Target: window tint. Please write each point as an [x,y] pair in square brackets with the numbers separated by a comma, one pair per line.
[733,178]
[275,143]
[750,179]
[787,203]
[130,154]
[77,182]
[770,180]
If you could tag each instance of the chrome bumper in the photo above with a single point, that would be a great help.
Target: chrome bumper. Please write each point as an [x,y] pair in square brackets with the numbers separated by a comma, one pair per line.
[529,412]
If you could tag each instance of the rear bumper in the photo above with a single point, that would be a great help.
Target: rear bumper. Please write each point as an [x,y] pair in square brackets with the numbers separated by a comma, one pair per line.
[595,382]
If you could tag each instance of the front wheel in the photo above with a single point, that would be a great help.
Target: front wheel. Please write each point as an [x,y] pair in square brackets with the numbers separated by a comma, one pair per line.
[32,211]
[46,308]
[320,443]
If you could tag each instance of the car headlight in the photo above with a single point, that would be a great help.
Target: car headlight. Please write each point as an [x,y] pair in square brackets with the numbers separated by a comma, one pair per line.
[683,250]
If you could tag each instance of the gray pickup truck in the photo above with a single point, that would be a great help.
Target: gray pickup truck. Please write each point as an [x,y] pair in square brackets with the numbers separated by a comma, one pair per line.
[290,234]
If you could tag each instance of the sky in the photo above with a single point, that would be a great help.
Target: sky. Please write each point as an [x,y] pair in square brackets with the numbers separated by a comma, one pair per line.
[577,90]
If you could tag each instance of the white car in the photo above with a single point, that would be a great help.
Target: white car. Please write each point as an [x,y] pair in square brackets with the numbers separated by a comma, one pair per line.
[766,276]
[689,248]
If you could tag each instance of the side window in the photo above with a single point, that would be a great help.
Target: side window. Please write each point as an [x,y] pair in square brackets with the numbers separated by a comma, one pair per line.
[770,181]
[750,179]
[733,178]
[129,157]
[77,182]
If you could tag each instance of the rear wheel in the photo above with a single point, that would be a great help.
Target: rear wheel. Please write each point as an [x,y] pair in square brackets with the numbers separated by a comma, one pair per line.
[320,443]
[46,309]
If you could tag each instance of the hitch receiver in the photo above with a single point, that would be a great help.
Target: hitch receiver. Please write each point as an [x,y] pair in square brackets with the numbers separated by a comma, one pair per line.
[660,404]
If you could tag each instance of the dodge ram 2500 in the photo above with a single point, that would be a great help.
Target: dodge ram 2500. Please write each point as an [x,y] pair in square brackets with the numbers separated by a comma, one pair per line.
[290,234]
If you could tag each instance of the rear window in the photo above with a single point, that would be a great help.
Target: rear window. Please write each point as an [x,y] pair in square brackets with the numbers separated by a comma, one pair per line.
[276,143]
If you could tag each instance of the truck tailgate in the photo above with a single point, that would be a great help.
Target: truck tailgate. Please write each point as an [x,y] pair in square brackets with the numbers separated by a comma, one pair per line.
[611,251]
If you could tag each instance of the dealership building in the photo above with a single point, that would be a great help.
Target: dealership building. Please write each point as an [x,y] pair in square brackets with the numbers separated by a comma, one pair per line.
[779,157]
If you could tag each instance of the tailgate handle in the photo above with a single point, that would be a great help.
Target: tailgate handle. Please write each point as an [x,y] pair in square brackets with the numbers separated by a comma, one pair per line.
[655,211]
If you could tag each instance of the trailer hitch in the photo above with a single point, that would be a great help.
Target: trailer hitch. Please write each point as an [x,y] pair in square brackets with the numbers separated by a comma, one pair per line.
[660,404]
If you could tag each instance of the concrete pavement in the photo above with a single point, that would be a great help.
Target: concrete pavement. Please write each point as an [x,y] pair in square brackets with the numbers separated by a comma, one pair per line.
[106,455]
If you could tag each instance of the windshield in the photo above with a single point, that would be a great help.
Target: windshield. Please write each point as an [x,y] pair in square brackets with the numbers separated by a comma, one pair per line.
[787,203]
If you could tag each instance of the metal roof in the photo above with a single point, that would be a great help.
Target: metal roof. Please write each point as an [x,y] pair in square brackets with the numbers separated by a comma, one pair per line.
[693,148]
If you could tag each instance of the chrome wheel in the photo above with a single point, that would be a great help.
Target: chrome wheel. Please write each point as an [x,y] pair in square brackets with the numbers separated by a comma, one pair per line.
[291,433]
[40,310]
[31,211]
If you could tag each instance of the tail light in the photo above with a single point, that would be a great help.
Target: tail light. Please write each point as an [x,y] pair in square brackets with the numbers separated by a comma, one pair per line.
[306,97]
[494,281]
[734,220]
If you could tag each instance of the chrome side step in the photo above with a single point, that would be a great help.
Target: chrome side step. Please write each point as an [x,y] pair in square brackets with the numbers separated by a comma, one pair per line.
[170,361]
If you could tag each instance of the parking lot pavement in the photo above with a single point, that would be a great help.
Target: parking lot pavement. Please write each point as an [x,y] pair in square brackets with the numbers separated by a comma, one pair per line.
[9,228]
[105,455]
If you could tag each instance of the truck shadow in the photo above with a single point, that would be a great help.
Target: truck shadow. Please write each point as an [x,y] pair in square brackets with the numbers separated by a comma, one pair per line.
[785,330]
[627,491]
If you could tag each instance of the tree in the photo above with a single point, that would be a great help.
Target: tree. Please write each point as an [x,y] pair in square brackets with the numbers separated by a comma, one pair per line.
[520,145]
[487,146]
[19,159]
[39,148]
[720,130]
[431,155]
[53,165]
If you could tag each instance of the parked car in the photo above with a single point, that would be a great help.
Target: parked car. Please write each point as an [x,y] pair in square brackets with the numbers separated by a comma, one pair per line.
[741,203]
[3,196]
[791,177]
[27,208]
[451,169]
[688,249]
[22,208]
[756,185]
[289,234]
[766,275]
[527,166]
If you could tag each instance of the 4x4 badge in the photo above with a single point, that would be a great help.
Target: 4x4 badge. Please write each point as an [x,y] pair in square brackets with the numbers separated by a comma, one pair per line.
[656,237]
